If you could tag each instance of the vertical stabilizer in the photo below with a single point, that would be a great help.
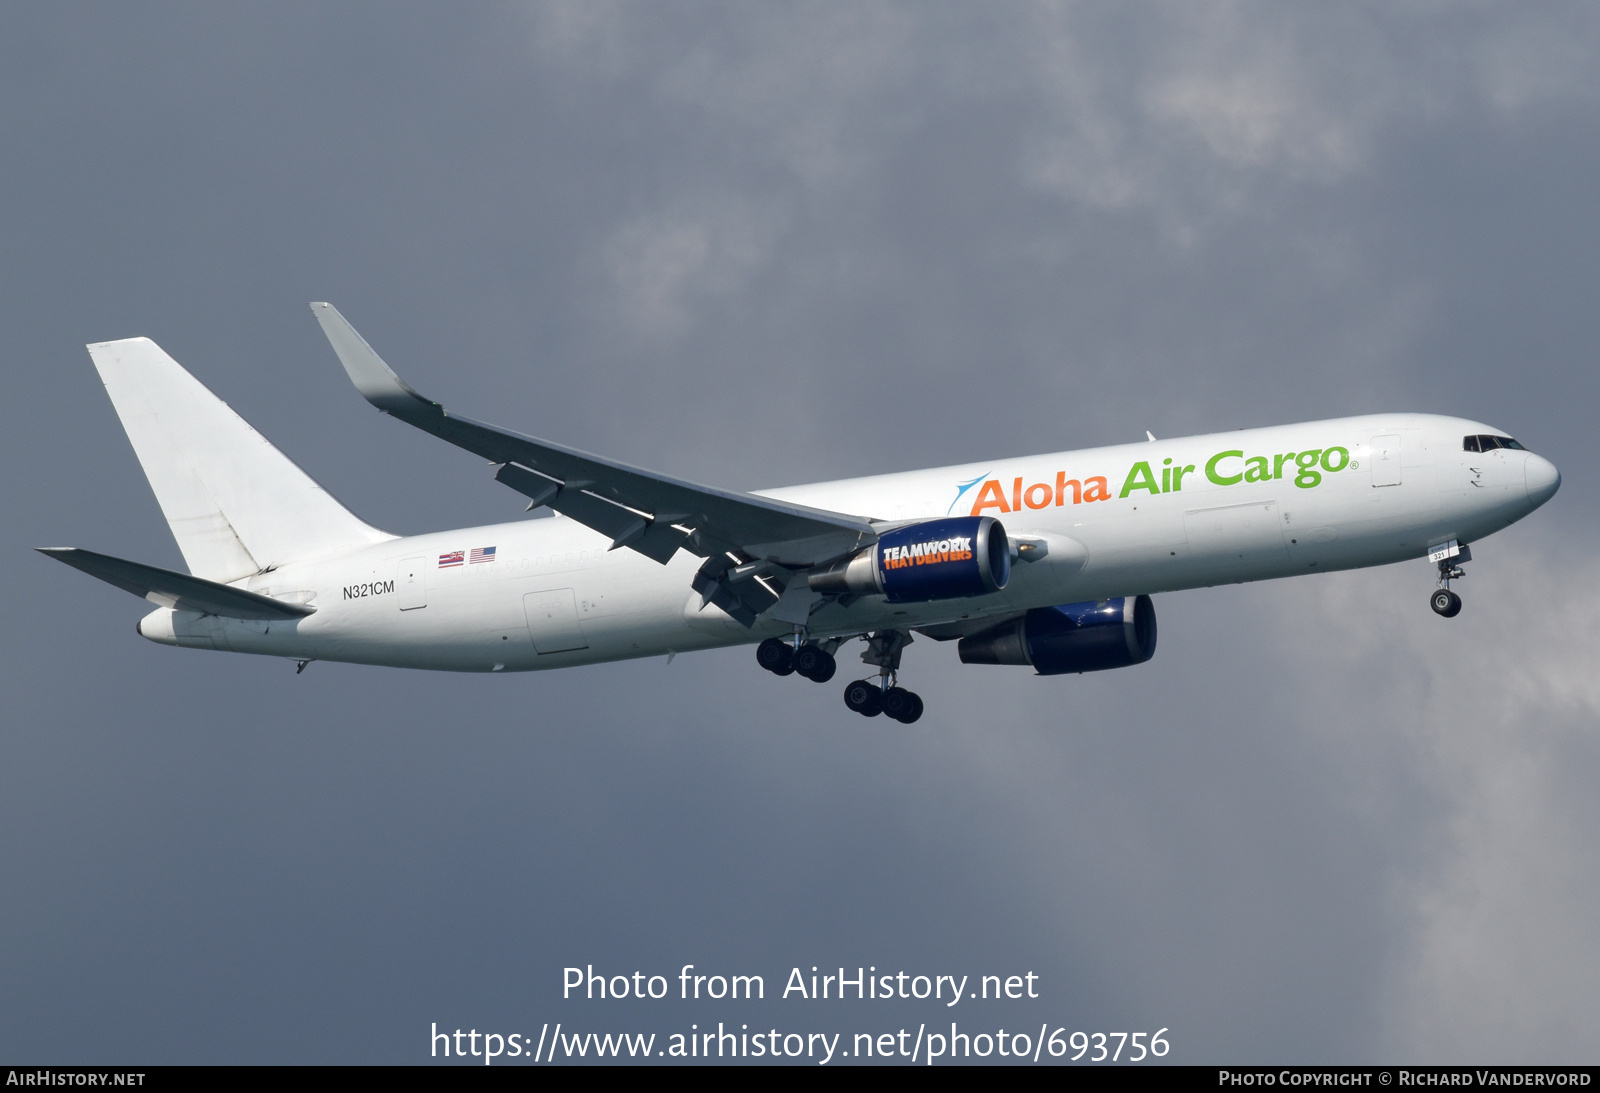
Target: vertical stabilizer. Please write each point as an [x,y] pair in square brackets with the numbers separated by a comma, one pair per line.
[236,505]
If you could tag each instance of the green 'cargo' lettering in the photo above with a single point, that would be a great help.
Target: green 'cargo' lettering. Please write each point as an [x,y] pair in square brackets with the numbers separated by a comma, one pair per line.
[1309,466]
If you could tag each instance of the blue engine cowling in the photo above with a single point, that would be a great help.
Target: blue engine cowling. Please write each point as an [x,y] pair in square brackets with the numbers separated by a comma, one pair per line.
[943,559]
[1074,637]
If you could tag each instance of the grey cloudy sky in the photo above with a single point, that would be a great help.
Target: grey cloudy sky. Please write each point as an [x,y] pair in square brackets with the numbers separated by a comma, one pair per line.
[762,244]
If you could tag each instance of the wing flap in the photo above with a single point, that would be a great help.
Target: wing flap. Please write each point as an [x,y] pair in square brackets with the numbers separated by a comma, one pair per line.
[177,590]
[651,534]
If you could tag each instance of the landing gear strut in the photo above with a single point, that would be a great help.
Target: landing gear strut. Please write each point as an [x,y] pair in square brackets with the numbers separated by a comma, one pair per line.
[872,697]
[1450,558]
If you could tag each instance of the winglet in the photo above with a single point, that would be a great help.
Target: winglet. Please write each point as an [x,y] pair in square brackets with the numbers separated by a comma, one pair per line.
[375,380]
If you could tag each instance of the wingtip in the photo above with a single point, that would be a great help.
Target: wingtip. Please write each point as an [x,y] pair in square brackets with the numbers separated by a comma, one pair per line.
[376,381]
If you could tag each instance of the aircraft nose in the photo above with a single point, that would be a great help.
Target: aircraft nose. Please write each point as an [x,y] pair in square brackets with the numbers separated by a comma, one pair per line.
[1542,478]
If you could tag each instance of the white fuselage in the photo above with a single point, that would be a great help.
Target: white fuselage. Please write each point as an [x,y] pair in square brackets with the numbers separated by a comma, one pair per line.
[1117,521]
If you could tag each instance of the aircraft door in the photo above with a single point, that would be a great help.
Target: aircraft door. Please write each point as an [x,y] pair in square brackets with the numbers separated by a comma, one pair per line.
[553,621]
[410,582]
[1385,460]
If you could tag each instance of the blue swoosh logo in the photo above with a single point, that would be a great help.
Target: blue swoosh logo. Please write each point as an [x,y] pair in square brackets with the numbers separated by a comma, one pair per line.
[963,488]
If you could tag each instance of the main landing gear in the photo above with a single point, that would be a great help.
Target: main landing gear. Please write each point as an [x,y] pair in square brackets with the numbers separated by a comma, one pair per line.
[872,697]
[869,698]
[814,660]
[810,659]
[1443,601]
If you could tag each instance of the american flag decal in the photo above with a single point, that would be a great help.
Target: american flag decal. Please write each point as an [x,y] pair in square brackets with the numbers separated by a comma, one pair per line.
[482,554]
[451,559]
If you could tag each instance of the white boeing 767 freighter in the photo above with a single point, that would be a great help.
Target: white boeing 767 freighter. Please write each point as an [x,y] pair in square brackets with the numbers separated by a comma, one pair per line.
[1046,561]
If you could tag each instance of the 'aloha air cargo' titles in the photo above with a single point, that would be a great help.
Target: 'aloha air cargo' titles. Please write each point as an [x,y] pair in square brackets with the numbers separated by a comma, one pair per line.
[1226,468]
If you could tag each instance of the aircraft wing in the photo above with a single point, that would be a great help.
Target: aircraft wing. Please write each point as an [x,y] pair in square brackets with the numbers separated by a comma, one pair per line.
[177,590]
[645,511]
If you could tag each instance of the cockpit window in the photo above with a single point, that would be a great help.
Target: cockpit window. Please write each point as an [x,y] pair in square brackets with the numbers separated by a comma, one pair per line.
[1487,442]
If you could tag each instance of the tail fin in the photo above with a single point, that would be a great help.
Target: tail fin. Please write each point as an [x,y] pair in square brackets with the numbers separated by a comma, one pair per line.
[236,505]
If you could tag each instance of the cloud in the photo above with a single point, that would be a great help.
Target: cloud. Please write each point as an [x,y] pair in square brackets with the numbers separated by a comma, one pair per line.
[794,81]
[1468,750]
[1499,922]
[661,266]
[1169,106]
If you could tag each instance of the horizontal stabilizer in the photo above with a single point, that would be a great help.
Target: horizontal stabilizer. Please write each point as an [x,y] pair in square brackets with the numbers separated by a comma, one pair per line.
[177,590]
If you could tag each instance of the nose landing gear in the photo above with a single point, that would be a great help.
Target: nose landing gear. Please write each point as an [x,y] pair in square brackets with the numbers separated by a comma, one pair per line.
[1450,557]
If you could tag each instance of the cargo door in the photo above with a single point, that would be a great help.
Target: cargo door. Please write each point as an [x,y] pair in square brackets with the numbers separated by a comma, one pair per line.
[553,621]
[1385,460]
[410,583]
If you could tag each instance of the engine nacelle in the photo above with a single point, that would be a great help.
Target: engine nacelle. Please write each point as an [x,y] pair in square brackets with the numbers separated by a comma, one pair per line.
[1073,637]
[943,559]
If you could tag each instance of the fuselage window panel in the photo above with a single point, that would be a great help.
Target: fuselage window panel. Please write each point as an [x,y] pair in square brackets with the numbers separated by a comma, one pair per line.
[1487,442]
